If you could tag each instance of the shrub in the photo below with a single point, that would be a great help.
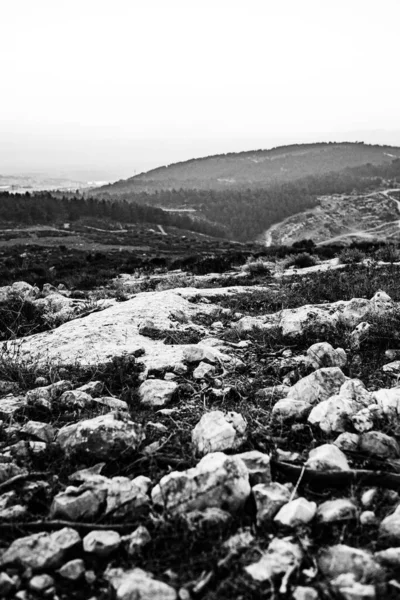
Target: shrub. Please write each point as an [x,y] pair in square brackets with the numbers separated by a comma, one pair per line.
[257,267]
[301,261]
[351,256]
[388,253]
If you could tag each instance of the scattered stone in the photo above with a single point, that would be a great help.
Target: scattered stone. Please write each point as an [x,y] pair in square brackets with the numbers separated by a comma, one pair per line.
[393,368]
[390,526]
[305,593]
[288,409]
[73,570]
[203,371]
[41,550]
[41,431]
[389,401]
[341,559]
[369,497]
[363,420]
[341,509]
[93,388]
[269,499]
[389,557]
[111,403]
[49,392]
[157,392]
[281,557]
[258,466]
[101,543]
[359,334]
[379,444]
[75,399]
[347,441]
[209,518]
[136,584]
[12,406]
[239,541]
[78,503]
[332,415]
[350,589]
[8,470]
[137,540]
[327,457]
[368,517]
[7,584]
[102,437]
[217,481]
[274,392]
[322,354]
[297,512]
[217,431]
[318,386]
[40,583]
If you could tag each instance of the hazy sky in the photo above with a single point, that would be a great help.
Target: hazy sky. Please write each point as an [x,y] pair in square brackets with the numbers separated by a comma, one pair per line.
[118,86]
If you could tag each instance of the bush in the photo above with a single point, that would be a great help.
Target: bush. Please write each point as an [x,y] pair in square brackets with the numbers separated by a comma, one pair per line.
[388,253]
[257,267]
[301,261]
[351,256]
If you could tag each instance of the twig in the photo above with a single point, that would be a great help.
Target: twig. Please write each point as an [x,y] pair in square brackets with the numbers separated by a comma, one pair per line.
[22,477]
[336,478]
[60,524]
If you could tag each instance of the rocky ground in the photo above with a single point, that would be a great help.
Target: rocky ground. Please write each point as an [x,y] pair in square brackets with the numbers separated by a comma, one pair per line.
[200,443]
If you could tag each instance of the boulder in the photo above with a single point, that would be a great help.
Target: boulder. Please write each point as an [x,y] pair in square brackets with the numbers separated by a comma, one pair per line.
[73,569]
[102,437]
[41,550]
[258,466]
[137,540]
[318,386]
[75,399]
[390,527]
[341,559]
[323,354]
[281,557]
[217,481]
[101,543]
[217,431]
[327,457]
[341,509]
[203,371]
[376,443]
[12,406]
[347,441]
[332,415]
[157,392]
[136,584]
[76,504]
[297,512]
[269,499]
[41,431]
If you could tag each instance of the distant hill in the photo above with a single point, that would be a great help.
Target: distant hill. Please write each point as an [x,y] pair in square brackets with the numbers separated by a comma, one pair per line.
[255,169]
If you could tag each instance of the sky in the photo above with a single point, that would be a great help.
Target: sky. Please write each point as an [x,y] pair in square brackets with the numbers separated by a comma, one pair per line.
[110,88]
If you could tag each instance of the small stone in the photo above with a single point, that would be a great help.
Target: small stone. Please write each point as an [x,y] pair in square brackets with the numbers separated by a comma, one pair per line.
[111,403]
[379,444]
[93,388]
[341,560]
[12,406]
[170,376]
[90,577]
[139,585]
[322,354]
[281,557]
[39,583]
[297,512]
[368,518]
[76,504]
[341,509]
[217,431]
[258,466]
[101,542]
[390,526]
[363,420]
[210,518]
[73,570]
[389,557]
[332,415]
[269,499]
[75,399]
[203,371]
[41,431]
[157,392]
[369,497]
[137,540]
[327,457]
[7,584]
[305,593]
[320,385]
[347,441]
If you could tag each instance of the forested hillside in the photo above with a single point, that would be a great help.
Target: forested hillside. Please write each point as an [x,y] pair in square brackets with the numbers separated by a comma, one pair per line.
[256,169]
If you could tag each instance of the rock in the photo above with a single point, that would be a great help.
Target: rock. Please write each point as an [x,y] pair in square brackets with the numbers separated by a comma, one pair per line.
[318,386]
[389,401]
[332,415]
[12,406]
[389,557]
[322,354]
[359,334]
[217,431]
[393,368]
[341,509]
[157,392]
[101,543]
[368,518]
[137,540]
[102,437]
[136,584]
[258,466]
[347,441]
[41,550]
[13,513]
[209,519]
[376,443]
[111,403]
[390,527]
[75,399]
[49,392]
[217,481]
[269,499]
[7,584]
[126,497]
[239,541]
[41,431]
[281,557]
[274,392]
[297,512]
[354,390]
[170,376]
[341,559]
[289,409]
[369,497]
[363,420]
[382,303]
[73,570]
[203,371]
[298,321]
[327,457]
[23,450]
[93,388]
[354,590]
[9,470]
[148,328]
[305,593]
[78,504]
[40,583]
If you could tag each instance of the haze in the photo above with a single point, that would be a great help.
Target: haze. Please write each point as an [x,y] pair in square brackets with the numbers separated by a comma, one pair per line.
[104,89]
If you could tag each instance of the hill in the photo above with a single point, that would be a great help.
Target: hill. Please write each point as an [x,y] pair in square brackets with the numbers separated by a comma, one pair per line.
[257,168]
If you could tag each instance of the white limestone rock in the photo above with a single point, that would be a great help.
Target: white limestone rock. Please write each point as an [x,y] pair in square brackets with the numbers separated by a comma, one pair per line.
[389,557]
[73,569]
[297,321]
[217,481]
[288,409]
[377,443]
[76,504]
[137,584]
[359,335]
[203,371]
[332,415]
[101,543]
[93,388]
[258,466]
[137,540]
[327,457]
[157,392]
[393,368]
[347,441]
[363,420]
[281,557]
[341,559]
[297,512]
[389,401]
[269,499]
[41,550]
[102,437]
[390,527]
[42,431]
[49,392]
[323,354]
[217,431]
[40,583]
[318,386]
[75,399]
[12,406]
[340,509]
